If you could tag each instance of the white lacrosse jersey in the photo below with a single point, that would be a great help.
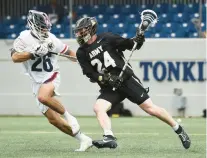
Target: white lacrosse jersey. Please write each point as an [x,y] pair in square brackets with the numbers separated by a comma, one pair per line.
[42,68]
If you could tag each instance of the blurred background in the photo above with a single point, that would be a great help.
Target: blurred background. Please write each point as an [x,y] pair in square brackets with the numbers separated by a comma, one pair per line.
[172,61]
[177,18]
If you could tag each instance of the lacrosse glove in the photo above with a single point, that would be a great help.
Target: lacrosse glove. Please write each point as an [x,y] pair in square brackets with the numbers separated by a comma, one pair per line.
[39,50]
[139,38]
[113,80]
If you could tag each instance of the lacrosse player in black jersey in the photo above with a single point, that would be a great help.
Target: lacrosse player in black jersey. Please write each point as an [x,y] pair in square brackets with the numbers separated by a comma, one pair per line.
[101,59]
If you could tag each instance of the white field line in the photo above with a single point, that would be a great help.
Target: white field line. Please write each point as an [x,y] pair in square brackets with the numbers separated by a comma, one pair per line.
[120,133]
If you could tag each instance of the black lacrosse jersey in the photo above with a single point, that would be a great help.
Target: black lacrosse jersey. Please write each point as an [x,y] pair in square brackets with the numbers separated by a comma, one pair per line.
[103,55]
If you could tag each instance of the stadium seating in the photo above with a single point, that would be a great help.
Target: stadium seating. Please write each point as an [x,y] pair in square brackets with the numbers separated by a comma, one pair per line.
[174,21]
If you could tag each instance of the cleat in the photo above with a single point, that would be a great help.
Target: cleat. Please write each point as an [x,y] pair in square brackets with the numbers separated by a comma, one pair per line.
[108,141]
[85,144]
[184,139]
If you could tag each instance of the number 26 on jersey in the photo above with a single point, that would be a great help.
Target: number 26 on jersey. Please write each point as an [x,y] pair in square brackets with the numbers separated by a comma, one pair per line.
[44,64]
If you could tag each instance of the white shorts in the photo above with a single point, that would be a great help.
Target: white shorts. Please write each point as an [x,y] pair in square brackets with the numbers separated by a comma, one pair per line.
[36,86]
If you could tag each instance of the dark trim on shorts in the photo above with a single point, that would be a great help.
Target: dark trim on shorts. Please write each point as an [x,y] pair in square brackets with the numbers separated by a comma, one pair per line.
[51,78]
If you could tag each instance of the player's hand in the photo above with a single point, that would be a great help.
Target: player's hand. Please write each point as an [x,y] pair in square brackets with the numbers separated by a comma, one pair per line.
[115,81]
[49,44]
[40,50]
[139,38]
[103,79]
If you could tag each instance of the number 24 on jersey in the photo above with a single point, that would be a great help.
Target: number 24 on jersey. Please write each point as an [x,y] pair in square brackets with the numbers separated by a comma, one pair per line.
[108,61]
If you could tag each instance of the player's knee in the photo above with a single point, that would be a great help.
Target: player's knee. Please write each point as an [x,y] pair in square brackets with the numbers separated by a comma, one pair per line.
[97,108]
[101,106]
[43,99]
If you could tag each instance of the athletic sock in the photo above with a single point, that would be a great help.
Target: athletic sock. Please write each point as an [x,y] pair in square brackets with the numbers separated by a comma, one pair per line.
[177,128]
[80,136]
[72,121]
[108,132]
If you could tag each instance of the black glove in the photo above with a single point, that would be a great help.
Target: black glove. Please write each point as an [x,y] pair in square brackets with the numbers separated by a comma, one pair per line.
[115,81]
[139,38]
[112,80]
[104,78]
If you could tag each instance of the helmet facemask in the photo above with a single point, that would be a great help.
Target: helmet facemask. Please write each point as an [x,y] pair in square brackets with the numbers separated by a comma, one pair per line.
[86,31]
[39,24]
[83,35]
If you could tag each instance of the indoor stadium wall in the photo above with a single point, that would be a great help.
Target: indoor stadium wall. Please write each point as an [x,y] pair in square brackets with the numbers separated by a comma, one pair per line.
[162,64]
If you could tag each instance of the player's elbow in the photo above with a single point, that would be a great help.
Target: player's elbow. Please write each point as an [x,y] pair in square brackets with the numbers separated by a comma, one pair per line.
[15,58]
[91,77]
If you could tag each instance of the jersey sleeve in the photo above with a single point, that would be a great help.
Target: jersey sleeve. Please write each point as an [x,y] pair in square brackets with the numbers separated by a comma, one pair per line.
[19,45]
[59,46]
[87,69]
[119,42]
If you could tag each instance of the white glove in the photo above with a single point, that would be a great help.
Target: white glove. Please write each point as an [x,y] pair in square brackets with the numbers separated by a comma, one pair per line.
[50,47]
[39,50]
[49,44]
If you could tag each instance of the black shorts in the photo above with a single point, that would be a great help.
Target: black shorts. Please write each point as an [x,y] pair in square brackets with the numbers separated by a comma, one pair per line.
[131,89]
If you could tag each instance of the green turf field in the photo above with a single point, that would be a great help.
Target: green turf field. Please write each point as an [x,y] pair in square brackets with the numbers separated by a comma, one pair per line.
[33,137]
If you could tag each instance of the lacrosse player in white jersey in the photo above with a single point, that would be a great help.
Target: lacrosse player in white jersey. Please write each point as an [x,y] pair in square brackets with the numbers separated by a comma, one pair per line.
[32,48]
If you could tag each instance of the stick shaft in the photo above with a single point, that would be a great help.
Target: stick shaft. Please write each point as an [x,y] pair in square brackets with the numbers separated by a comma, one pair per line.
[64,55]
[127,62]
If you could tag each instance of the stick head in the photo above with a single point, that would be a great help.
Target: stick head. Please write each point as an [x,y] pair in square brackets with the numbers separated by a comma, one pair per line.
[148,17]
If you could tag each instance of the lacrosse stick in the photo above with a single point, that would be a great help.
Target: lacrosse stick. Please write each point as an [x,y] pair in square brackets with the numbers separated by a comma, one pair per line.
[64,55]
[148,17]
[50,45]
[59,54]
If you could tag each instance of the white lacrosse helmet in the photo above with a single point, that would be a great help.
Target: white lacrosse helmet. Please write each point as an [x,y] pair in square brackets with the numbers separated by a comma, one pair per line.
[39,23]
